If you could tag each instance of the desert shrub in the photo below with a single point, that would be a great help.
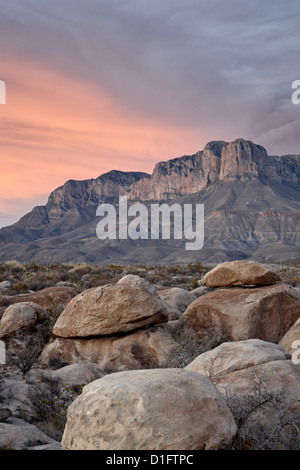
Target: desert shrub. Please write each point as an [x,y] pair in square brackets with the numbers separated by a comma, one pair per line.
[255,432]
[33,276]
[80,270]
[55,362]
[189,346]
[20,287]
[290,275]
[12,266]
[33,267]
[64,276]
[194,283]
[117,268]
[153,278]
[37,284]
[49,400]
[23,357]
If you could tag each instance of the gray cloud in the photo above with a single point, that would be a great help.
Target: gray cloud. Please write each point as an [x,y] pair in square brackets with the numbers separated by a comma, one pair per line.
[225,67]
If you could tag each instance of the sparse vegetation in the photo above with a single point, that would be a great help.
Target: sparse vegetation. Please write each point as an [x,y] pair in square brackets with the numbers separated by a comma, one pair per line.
[49,400]
[22,357]
[255,432]
[35,277]
[188,345]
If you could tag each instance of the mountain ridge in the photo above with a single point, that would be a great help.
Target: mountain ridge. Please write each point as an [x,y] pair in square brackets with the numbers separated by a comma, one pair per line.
[235,180]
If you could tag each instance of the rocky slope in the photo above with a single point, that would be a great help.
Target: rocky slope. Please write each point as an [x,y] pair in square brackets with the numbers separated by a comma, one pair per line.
[251,203]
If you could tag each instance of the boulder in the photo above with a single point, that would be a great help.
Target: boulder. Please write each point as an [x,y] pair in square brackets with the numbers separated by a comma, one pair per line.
[162,409]
[21,316]
[50,298]
[291,340]
[17,434]
[146,348]
[26,324]
[233,356]
[5,413]
[238,314]
[177,298]
[128,305]
[264,400]
[78,373]
[5,285]
[2,310]
[200,291]
[14,397]
[238,273]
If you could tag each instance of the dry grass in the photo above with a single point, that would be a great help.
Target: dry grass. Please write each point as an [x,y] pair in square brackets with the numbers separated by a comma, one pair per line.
[35,277]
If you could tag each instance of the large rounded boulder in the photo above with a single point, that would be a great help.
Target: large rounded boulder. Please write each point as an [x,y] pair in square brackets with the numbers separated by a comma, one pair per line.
[291,340]
[236,355]
[141,349]
[177,297]
[239,273]
[28,322]
[237,314]
[125,306]
[162,409]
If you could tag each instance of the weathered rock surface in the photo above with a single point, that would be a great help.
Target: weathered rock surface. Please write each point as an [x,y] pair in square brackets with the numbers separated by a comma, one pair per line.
[5,413]
[17,434]
[165,409]
[125,306]
[268,397]
[233,356]
[49,298]
[4,285]
[146,348]
[243,159]
[288,341]
[238,273]
[26,324]
[201,290]
[21,316]
[14,397]
[185,175]
[77,374]
[238,314]
[177,297]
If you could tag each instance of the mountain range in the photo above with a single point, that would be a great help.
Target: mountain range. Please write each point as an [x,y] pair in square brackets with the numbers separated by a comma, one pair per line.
[251,205]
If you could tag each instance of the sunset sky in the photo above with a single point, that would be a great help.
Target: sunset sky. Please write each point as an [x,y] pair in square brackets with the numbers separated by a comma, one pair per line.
[97,85]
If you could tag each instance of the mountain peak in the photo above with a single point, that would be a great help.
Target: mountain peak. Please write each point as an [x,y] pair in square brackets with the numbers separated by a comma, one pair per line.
[251,201]
[242,159]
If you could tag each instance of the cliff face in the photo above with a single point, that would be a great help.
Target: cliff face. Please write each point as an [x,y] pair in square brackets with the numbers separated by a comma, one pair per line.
[218,161]
[80,194]
[242,159]
[251,203]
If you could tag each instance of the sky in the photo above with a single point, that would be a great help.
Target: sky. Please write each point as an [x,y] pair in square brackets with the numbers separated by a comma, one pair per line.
[123,84]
